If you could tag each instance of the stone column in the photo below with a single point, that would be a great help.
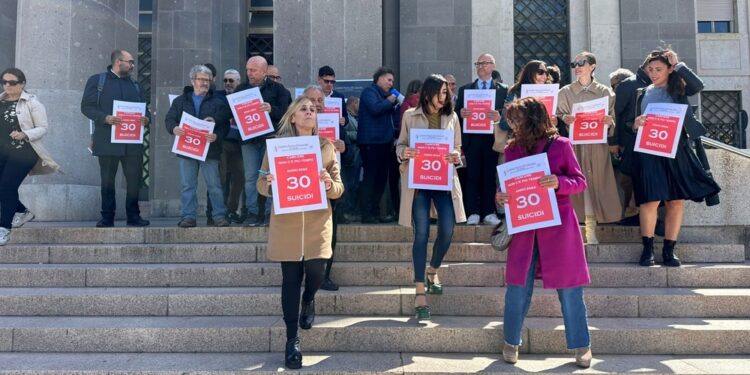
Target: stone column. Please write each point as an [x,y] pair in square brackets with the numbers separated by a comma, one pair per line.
[7,33]
[59,44]
[595,27]
[492,32]
[187,33]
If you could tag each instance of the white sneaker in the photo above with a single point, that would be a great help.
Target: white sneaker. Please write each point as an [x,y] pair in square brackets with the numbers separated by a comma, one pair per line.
[21,218]
[491,219]
[473,220]
[4,236]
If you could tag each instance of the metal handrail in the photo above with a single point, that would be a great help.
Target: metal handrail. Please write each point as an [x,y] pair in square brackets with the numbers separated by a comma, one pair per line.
[725,147]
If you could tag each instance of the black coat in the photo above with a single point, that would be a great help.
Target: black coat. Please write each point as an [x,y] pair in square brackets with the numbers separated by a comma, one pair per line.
[212,106]
[115,88]
[625,107]
[501,91]
[277,96]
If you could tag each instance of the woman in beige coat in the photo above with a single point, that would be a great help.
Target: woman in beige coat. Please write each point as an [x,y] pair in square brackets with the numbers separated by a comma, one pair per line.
[434,111]
[301,241]
[600,202]
[23,122]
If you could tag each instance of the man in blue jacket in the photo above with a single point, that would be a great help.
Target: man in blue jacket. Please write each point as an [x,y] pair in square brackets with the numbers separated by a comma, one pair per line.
[375,139]
[101,91]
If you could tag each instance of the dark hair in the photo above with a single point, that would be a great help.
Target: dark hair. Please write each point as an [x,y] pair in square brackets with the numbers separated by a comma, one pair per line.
[383,70]
[496,76]
[531,122]
[414,87]
[526,75]
[591,60]
[553,72]
[431,88]
[326,71]
[116,55]
[212,68]
[675,84]
[16,72]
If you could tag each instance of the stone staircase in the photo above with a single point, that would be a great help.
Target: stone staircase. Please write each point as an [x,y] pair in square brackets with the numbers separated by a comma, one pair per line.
[74,298]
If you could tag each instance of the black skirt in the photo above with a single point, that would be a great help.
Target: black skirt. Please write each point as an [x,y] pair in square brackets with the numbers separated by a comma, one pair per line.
[657,178]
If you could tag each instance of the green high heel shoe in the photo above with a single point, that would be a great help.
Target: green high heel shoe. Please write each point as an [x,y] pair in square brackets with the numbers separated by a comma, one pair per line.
[433,288]
[421,312]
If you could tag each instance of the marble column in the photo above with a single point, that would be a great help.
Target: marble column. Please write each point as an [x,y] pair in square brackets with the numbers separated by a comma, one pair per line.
[59,44]
[7,33]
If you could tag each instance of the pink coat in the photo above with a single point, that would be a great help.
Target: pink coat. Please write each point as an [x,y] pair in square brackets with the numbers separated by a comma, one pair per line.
[562,258]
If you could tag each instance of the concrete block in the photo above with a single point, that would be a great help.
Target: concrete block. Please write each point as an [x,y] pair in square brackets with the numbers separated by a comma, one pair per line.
[454,44]
[639,31]
[364,35]
[462,12]
[676,30]
[185,29]
[629,11]
[709,276]
[174,253]
[698,303]
[79,302]
[256,274]
[418,43]
[24,254]
[657,12]
[461,274]
[435,12]
[80,235]
[26,276]
[627,276]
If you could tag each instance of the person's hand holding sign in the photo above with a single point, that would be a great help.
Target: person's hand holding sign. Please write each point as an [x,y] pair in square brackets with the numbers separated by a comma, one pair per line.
[178,131]
[326,178]
[145,120]
[453,158]
[409,153]
[266,107]
[501,198]
[549,181]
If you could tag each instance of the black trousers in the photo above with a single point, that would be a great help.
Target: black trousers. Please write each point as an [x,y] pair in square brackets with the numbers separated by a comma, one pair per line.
[132,168]
[375,161]
[292,274]
[14,167]
[481,175]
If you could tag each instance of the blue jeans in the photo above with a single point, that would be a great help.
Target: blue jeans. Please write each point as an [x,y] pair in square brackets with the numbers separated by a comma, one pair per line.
[518,299]
[189,178]
[420,217]
[252,158]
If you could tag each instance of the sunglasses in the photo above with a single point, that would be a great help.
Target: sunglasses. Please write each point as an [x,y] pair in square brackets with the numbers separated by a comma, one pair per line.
[9,83]
[482,63]
[228,80]
[574,64]
[275,78]
[330,81]
[541,72]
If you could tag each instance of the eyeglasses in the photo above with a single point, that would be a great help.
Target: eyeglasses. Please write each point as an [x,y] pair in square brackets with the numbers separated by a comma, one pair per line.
[329,81]
[541,72]
[480,64]
[9,83]
[202,79]
[275,78]
[131,62]
[228,80]
[578,63]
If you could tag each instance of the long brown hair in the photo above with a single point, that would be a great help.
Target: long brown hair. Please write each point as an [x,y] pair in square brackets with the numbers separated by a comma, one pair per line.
[675,84]
[530,123]
[526,75]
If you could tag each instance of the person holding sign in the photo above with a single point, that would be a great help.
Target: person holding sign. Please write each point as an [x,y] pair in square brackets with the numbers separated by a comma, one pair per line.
[327,81]
[659,179]
[555,253]
[199,101]
[586,107]
[535,72]
[301,241]
[479,147]
[434,111]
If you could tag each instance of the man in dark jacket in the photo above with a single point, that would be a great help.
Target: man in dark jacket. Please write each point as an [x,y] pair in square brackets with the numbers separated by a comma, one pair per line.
[101,91]
[327,81]
[199,100]
[276,100]
[375,137]
[481,160]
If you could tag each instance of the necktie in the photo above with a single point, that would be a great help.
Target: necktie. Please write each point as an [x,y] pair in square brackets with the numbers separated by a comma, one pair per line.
[484,85]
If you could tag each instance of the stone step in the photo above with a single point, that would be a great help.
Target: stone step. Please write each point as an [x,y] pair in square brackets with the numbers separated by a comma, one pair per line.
[345,252]
[358,363]
[708,275]
[369,334]
[70,233]
[457,301]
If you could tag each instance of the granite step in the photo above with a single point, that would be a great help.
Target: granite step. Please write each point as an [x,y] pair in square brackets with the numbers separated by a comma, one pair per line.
[614,275]
[358,363]
[345,252]
[689,336]
[456,301]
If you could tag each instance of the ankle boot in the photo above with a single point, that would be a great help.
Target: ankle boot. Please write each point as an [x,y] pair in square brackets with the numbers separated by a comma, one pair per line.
[307,316]
[293,356]
[591,230]
[647,257]
[667,253]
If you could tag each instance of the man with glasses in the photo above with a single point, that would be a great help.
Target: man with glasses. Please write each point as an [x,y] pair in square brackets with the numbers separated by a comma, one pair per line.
[273,73]
[101,91]
[481,159]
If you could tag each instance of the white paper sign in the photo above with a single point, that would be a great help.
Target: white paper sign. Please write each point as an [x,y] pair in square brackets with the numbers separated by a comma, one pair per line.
[250,119]
[295,163]
[130,130]
[193,143]
[529,206]
[546,93]
[478,102]
[661,133]
[588,127]
[330,103]
[429,170]
[172,97]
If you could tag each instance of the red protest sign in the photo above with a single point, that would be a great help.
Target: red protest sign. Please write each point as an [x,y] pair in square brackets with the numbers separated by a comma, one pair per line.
[298,180]
[530,203]
[549,104]
[252,120]
[478,121]
[430,166]
[193,143]
[589,128]
[660,134]
[129,130]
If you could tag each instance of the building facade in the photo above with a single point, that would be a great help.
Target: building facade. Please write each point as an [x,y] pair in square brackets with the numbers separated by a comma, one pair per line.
[60,43]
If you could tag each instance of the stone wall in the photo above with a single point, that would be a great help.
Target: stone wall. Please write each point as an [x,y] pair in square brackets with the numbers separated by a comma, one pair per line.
[731,172]
[8,33]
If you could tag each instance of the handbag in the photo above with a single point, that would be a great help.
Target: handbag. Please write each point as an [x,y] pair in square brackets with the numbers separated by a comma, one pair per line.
[500,239]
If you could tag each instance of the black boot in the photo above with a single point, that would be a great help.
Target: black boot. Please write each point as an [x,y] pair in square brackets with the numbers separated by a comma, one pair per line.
[647,257]
[667,253]
[307,316]
[293,356]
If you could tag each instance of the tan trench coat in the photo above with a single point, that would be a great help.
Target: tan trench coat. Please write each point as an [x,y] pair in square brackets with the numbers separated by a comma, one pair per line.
[415,119]
[32,119]
[304,235]
[594,159]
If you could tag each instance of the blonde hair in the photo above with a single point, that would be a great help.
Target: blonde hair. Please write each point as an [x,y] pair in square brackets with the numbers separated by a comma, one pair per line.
[286,128]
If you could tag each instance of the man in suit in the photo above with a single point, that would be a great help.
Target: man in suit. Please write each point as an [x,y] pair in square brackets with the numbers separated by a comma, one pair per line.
[481,159]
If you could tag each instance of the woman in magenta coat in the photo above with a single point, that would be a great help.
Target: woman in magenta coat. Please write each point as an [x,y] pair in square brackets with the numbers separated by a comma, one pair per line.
[554,254]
